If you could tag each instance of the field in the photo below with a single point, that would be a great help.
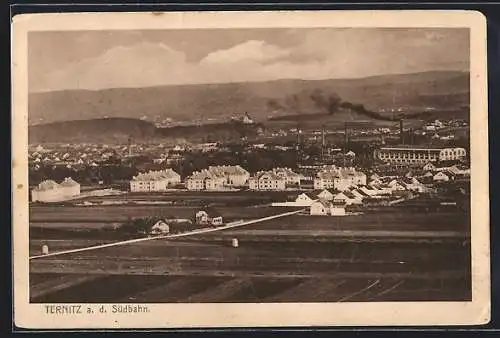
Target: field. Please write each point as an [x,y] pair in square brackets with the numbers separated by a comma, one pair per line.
[160,271]
[117,213]
[382,256]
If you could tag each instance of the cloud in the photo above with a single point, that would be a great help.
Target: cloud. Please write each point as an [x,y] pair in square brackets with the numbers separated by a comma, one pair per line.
[314,54]
[143,64]
[252,51]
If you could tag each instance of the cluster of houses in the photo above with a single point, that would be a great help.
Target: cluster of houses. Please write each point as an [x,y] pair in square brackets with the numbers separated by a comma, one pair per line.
[444,173]
[338,178]
[202,218]
[224,178]
[154,181]
[333,201]
[51,191]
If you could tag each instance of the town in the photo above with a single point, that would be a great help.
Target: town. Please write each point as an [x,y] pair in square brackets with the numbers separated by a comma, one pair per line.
[326,179]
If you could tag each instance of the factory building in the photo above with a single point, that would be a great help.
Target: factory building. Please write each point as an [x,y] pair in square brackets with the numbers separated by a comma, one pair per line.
[414,155]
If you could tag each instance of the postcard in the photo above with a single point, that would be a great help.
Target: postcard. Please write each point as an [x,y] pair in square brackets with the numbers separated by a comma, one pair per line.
[250,169]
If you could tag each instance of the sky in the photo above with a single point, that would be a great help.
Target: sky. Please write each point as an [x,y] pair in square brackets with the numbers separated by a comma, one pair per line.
[95,60]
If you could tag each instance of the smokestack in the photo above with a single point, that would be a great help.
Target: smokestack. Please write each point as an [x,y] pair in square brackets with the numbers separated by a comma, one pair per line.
[130,146]
[401,137]
[346,136]
[322,143]
[298,159]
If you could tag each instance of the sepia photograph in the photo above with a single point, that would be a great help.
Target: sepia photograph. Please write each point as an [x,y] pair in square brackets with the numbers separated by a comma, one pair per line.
[185,161]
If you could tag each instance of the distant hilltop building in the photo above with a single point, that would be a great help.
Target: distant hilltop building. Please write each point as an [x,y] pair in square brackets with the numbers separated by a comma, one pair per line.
[340,179]
[51,191]
[246,119]
[415,155]
[154,181]
[218,178]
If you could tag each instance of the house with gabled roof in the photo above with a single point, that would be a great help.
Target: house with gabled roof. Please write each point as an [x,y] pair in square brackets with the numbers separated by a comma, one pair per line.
[153,181]
[347,197]
[305,199]
[326,194]
[429,166]
[51,191]
[444,176]
[267,181]
[208,216]
[320,207]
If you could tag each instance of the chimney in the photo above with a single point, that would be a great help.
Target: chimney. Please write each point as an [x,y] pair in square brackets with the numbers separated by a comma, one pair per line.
[323,143]
[401,133]
[346,136]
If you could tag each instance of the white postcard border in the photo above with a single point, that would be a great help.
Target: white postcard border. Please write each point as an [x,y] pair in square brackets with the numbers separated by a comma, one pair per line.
[477,311]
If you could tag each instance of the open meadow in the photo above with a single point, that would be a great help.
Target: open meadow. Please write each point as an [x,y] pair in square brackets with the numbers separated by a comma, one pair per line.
[391,255]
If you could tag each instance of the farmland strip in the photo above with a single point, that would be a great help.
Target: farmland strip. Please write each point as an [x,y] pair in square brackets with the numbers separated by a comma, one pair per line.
[194,232]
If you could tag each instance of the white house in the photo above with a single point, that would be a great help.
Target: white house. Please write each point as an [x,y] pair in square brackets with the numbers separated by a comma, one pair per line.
[347,197]
[47,191]
[153,181]
[291,177]
[327,208]
[359,194]
[339,178]
[70,187]
[396,185]
[265,181]
[51,191]
[429,166]
[369,190]
[320,207]
[235,175]
[208,217]
[337,209]
[159,228]
[304,200]
[217,178]
[443,176]
[206,180]
[326,195]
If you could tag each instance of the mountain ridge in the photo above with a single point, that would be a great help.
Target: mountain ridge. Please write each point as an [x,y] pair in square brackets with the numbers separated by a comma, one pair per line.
[198,103]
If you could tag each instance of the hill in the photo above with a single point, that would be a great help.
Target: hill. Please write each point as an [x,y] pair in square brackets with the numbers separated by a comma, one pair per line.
[120,130]
[218,102]
[95,130]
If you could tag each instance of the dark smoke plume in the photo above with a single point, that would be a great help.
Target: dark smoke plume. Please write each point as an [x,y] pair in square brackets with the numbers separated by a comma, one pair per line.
[330,103]
[275,105]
